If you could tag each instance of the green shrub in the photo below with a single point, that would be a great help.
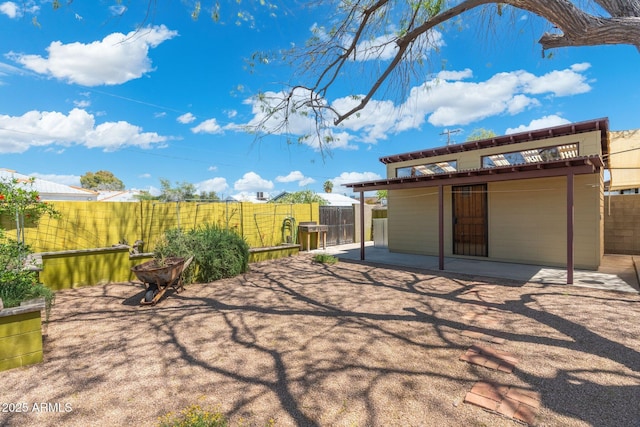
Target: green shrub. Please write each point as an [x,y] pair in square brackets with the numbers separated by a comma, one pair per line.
[217,252]
[194,416]
[325,259]
[16,283]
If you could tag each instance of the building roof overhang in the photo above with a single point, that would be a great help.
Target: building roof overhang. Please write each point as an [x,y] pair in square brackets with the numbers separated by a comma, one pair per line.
[601,125]
[576,166]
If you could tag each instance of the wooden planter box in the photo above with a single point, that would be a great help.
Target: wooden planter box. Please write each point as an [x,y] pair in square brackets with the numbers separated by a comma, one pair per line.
[21,335]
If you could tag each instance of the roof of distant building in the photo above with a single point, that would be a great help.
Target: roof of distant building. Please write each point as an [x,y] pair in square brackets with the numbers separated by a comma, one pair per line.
[49,190]
[119,196]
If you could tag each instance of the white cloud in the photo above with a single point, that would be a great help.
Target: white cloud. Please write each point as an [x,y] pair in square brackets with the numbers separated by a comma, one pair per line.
[112,136]
[544,122]
[44,128]
[297,124]
[116,59]
[219,185]
[83,103]
[208,126]
[306,181]
[251,181]
[519,103]
[578,68]
[145,175]
[455,75]
[9,69]
[294,176]
[558,82]
[449,99]
[10,9]
[212,168]
[349,177]
[375,122]
[73,180]
[186,118]
[458,103]
[13,10]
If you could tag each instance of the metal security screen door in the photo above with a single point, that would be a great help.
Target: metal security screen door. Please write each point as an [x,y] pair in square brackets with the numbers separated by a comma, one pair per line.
[470,220]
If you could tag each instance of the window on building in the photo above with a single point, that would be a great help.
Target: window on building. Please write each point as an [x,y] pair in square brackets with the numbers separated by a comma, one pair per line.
[427,169]
[535,155]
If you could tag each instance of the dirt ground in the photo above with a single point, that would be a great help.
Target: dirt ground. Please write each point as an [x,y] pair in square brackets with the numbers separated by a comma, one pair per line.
[296,343]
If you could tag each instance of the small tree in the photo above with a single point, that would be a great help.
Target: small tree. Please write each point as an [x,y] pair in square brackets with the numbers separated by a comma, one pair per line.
[328,186]
[481,133]
[19,200]
[183,191]
[210,196]
[101,180]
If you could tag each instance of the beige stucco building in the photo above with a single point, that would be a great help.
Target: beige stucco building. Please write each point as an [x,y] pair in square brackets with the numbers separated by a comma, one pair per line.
[535,197]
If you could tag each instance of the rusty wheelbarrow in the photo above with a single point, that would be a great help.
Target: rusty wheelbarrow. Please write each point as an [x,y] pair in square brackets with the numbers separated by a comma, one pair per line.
[159,276]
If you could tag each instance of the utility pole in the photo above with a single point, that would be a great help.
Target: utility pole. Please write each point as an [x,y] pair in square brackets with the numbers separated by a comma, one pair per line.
[448,132]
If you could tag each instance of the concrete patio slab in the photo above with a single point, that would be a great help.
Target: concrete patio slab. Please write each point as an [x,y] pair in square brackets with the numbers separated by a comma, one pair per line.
[617,272]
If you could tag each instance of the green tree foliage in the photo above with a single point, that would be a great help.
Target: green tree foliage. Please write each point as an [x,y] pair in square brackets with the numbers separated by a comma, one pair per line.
[328,186]
[16,283]
[481,133]
[210,196]
[19,201]
[303,196]
[101,180]
[181,192]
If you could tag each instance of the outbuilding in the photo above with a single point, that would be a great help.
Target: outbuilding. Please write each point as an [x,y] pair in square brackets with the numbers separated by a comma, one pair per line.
[534,197]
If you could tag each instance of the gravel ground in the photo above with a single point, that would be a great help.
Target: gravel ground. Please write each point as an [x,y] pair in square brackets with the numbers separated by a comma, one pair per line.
[295,343]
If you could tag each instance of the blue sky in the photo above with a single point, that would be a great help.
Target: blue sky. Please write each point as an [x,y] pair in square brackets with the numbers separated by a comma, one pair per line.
[83,90]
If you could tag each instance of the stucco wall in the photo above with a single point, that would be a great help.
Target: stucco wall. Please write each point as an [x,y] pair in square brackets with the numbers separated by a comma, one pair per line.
[413,220]
[526,221]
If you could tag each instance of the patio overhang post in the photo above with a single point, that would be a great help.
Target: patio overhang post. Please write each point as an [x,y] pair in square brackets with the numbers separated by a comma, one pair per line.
[570,227]
[441,227]
[362,225]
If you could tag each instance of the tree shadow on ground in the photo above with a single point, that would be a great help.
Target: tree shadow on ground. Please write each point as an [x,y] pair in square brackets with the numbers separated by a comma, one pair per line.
[329,345]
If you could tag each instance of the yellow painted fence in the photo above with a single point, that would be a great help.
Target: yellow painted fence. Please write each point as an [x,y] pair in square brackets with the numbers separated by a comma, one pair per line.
[87,225]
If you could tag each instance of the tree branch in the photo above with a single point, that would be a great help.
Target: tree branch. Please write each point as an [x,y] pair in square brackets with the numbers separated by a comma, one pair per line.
[578,27]
[575,27]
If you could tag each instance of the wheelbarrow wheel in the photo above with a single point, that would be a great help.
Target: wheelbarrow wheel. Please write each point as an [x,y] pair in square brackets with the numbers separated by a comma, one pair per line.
[151,293]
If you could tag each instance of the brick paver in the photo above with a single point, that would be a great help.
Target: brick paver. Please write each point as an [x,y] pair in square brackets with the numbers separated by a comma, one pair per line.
[512,402]
[490,358]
